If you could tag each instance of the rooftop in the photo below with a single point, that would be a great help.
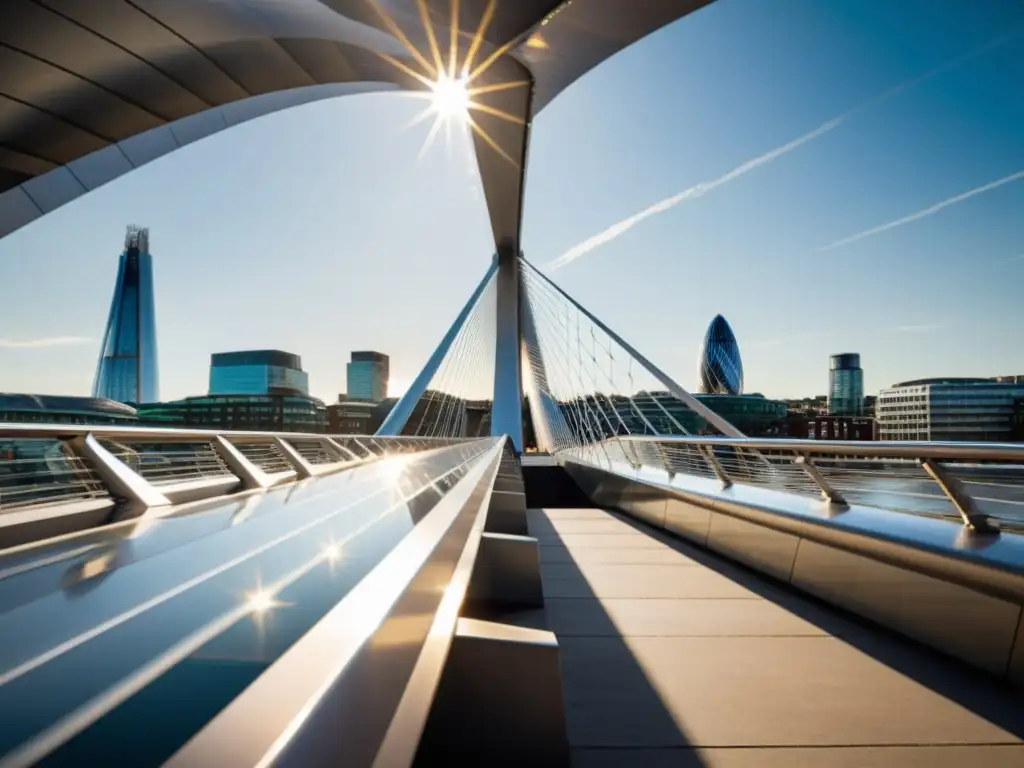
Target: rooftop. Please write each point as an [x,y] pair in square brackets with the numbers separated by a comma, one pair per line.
[65,404]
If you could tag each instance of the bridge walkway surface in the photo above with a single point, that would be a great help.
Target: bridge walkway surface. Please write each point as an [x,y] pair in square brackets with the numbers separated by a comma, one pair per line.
[674,657]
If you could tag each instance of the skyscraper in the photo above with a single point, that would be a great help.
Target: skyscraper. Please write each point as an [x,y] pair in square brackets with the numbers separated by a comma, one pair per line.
[845,385]
[367,375]
[257,372]
[719,368]
[127,368]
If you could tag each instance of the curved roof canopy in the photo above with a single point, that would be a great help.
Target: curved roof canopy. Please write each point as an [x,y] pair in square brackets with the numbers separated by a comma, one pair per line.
[91,90]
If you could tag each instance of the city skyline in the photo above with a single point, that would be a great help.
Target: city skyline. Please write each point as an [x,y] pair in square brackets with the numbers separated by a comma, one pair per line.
[854,239]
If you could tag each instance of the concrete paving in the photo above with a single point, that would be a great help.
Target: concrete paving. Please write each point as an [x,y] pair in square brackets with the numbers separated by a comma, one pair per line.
[673,657]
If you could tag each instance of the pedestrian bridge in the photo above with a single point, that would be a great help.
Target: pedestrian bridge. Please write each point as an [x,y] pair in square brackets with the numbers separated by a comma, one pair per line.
[194,598]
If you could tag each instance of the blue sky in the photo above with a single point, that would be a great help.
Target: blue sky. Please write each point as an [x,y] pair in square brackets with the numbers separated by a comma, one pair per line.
[319,230]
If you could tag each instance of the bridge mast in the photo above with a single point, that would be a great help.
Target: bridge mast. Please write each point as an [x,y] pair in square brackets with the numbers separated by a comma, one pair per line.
[507,406]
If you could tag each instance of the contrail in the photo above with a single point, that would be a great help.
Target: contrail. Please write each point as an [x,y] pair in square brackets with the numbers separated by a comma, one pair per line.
[926,212]
[699,190]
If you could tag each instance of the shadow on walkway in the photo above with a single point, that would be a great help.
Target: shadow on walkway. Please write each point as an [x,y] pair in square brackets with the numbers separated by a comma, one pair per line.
[611,704]
[987,697]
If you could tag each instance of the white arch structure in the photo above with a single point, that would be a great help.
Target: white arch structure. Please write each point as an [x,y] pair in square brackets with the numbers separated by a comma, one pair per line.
[89,91]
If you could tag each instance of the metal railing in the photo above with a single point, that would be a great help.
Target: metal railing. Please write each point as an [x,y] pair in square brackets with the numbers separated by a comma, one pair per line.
[982,484]
[335,579]
[131,469]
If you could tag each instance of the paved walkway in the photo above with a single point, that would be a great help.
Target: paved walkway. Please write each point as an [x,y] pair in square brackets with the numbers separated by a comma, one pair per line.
[673,657]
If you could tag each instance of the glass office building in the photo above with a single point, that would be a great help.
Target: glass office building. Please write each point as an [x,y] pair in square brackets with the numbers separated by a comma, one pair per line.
[719,368]
[61,409]
[663,413]
[257,372]
[367,375]
[258,413]
[845,385]
[127,368]
[975,410]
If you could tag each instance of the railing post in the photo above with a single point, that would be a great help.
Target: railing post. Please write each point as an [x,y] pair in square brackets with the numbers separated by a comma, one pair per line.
[252,477]
[117,476]
[832,496]
[716,465]
[362,445]
[303,468]
[961,500]
[341,453]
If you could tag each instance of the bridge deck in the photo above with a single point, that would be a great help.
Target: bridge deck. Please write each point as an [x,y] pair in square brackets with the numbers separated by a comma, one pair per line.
[672,657]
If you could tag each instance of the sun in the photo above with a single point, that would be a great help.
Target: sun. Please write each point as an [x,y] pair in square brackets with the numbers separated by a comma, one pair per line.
[449,88]
[451,96]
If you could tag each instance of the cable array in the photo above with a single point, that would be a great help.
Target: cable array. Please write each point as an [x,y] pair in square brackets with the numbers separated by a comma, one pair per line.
[589,389]
[456,402]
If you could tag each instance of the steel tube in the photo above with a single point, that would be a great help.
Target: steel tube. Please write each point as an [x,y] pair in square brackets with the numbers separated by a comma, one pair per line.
[873,449]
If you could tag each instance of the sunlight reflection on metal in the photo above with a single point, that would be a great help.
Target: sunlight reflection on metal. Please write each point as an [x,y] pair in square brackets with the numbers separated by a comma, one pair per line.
[394,467]
[537,41]
[332,552]
[95,566]
[260,601]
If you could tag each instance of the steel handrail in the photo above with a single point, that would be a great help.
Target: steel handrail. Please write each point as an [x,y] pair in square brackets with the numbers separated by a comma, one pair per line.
[937,462]
[306,689]
[872,449]
[27,431]
[132,492]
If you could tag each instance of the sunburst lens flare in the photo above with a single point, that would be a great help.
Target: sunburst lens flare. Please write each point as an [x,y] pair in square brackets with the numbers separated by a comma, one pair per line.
[260,601]
[451,96]
[332,552]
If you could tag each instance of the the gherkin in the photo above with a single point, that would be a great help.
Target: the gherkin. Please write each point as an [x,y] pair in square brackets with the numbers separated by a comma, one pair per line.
[719,368]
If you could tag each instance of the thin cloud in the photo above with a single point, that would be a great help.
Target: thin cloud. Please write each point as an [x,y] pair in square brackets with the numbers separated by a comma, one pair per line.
[921,328]
[929,211]
[49,341]
[699,190]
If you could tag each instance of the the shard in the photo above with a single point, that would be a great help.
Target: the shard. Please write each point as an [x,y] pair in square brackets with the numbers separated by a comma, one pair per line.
[127,369]
[719,368]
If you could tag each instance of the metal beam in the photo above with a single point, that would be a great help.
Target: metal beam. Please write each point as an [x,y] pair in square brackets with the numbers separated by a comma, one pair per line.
[118,477]
[343,453]
[831,494]
[959,498]
[252,477]
[691,402]
[303,468]
[507,407]
[396,420]
[547,417]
